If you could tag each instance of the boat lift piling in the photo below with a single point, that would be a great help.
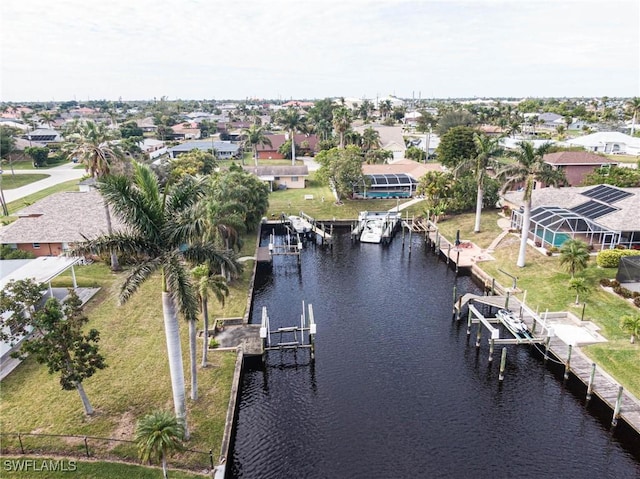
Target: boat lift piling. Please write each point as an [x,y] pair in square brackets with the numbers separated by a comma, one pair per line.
[292,337]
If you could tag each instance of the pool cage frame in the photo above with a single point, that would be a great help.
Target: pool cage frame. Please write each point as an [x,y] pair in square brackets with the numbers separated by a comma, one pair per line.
[388,185]
[548,223]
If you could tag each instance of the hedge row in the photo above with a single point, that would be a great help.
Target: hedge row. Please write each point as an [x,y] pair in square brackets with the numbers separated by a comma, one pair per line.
[610,258]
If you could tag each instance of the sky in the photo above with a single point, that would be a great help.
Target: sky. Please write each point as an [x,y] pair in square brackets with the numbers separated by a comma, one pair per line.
[307,49]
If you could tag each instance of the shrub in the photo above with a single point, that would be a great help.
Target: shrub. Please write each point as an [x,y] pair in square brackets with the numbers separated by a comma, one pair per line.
[213,343]
[636,301]
[7,252]
[606,282]
[610,258]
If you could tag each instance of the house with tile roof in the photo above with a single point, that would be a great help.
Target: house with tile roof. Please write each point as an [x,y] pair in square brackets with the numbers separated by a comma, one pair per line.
[576,164]
[52,225]
[306,145]
[391,138]
[280,176]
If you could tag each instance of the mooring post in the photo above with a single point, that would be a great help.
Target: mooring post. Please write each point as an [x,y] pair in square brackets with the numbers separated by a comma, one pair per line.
[459,307]
[469,317]
[493,286]
[546,348]
[567,366]
[211,458]
[591,379]
[616,410]
[533,326]
[86,446]
[506,301]
[478,335]
[403,237]
[584,305]
[503,363]
[491,342]
[448,253]
[410,236]
[458,262]
[455,298]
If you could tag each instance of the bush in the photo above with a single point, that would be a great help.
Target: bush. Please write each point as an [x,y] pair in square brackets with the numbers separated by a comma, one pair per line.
[636,301]
[610,258]
[12,253]
[606,282]
[213,343]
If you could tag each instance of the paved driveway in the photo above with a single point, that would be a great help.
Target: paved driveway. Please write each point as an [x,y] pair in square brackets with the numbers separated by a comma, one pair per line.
[58,175]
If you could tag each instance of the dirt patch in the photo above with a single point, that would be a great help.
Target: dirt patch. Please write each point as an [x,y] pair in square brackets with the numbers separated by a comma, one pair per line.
[125,428]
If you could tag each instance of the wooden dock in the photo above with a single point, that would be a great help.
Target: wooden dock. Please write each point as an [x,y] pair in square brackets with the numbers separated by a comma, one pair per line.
[598,382]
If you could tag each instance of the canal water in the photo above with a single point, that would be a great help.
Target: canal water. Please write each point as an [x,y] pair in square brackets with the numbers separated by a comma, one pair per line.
[398,391]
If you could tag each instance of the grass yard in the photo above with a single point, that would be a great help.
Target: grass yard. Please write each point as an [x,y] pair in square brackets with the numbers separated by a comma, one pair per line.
[546,284]
[465,222]
[28,164]
[9,181]
[135,382]
[71,185]
[85,469]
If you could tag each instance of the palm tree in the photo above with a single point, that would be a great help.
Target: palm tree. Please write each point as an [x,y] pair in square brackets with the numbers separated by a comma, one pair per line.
[370,139]
[529,167]
[158,434]
[47,117]
[341,123]
[163,234]
[90,143]
[579,285]
[385,108]
[574,255]
[217,284]
[486,149]
[633,107]
[256,135]
[631,324]
[292,121]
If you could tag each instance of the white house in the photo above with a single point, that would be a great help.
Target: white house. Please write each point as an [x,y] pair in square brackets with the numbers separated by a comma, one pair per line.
[607,142]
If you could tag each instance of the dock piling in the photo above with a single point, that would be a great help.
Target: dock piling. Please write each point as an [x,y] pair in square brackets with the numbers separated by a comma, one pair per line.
[478,336]
[567,366]
[616,410]
[591,379]
[546,348]
[469,318]
[491,344]
[503,363]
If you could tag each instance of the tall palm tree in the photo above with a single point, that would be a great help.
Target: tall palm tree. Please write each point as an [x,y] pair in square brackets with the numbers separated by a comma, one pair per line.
[487,148]
[385,108]
[206,282]
[574,255]
[47,117]
[158,434]
[91,143]
[529,167]
[163,233]
[256,135]
[370,139]
[341,123]
[292,121]
[633,107]
[631,324]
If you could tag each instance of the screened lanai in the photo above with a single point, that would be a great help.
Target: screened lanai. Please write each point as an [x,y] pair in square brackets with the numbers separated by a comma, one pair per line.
[388,186]
[552,226]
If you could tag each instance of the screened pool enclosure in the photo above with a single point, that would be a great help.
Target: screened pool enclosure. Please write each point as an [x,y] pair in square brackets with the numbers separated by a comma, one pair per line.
[386,186]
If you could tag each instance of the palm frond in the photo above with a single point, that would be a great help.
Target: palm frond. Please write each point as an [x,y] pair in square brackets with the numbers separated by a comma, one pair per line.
[138,275]
[180,286]
[209,253]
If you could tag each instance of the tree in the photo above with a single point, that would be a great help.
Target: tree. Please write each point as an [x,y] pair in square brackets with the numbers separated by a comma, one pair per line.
[164,234]
[19,299]
[579,285]
[631,325]
[60,343]
[416,154]
[486,148]
[157,435]
[452,119]
[574,255]
[377,157]
[255,135]
[129,129]
[91,143]
[342,169]
[194,162]
[385,108]
[613,175]
[457,144]
[47,117]
[7,146]
[341,123]
[206,282]
[633,108]
[529,168]
[370,140]
[39,155]
[292,121]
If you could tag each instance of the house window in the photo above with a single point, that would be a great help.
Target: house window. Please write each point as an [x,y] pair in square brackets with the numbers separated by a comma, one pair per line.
[294,178]
[36,245]
[276,178]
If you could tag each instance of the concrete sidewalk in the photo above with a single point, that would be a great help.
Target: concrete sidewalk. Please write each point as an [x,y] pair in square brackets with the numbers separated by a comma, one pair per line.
[57,175]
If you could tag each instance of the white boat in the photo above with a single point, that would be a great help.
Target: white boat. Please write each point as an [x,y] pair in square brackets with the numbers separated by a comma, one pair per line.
[511,321]
[372,232]
[299,225]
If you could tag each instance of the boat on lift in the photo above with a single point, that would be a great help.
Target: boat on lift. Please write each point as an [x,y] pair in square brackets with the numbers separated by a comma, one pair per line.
[372,232]
[511,321]
[299,225]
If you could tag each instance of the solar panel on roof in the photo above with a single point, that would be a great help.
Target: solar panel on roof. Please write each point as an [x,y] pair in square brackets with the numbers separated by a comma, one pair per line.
[606,193]
[593,209]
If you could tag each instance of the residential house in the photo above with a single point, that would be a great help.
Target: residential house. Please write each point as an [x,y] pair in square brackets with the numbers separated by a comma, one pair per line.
[607,142]
[576,164]
[186,131]
[152,148]
[43,135]
[224,149]
[52,225]
[398,179]
[603,216]
[280,176]
[147,125]
[391,138]
[306,145]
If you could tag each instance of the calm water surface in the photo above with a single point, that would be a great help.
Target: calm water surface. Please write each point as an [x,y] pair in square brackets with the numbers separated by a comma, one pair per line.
[397,391]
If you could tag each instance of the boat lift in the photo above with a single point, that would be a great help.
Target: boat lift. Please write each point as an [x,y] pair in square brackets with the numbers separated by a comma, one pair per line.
[288,247]
[292,337]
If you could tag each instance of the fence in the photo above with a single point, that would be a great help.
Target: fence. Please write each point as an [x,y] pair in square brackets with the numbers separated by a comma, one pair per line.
[105,448]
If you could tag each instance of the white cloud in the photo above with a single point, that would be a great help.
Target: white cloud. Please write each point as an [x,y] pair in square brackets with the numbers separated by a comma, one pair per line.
[222,49]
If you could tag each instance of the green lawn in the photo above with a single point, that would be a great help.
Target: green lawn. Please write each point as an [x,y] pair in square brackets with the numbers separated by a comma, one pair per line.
[28,164]
[135,382]
[10,181]
[71,185]
[84,469]
[624,158]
